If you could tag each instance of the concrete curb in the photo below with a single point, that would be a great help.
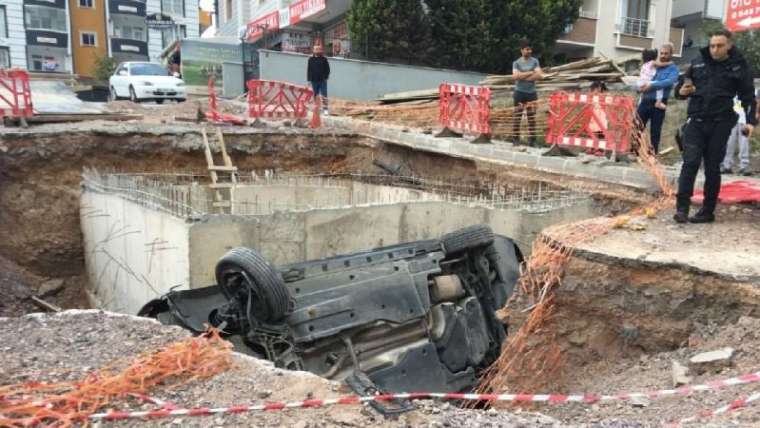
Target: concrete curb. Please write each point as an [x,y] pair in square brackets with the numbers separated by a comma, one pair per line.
[504,153]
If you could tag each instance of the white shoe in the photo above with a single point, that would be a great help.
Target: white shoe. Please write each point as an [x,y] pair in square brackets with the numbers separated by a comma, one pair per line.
[325,112]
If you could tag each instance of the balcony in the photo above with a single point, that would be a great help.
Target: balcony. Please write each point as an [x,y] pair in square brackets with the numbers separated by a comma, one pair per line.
[127,7]
[635,27]
[581,32]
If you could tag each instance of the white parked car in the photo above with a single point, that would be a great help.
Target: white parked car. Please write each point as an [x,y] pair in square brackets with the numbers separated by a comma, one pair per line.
[141,81]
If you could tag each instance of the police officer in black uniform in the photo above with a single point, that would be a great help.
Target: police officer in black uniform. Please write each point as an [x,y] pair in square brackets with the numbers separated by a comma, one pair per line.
[711,83]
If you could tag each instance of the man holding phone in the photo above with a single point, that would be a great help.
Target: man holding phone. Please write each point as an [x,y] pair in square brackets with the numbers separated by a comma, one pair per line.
[711,83]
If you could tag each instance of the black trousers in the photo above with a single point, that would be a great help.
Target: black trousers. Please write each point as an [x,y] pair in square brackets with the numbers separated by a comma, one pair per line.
[647,111]
[703,140]
[521,102]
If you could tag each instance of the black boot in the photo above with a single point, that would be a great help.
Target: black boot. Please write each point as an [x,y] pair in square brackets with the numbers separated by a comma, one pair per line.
[703,216]
[681,215]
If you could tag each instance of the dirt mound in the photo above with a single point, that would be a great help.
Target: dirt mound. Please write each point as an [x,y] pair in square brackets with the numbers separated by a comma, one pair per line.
[647,372]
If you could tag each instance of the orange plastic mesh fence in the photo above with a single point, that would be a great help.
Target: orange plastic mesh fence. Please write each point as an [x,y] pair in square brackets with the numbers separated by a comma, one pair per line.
[67,403]
[531,357]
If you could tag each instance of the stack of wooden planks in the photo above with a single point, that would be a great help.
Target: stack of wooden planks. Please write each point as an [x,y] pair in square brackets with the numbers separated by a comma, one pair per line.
[574,75]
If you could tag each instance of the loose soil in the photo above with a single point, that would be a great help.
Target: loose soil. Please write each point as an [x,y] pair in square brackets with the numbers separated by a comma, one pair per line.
[79,342]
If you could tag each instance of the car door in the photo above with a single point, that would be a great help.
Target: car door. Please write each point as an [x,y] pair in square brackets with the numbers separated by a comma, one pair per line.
[119,81]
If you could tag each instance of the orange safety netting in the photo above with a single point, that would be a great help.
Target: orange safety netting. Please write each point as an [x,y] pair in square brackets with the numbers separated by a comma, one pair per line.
[531,357]
[68,403]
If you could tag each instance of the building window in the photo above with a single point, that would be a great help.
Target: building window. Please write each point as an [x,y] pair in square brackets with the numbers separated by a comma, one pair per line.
[45,18]
[89,38]
[45,63]
[5,57]
[227,10]
[86,3]
[3,22]
[173,7]
[169,35]
[132,32]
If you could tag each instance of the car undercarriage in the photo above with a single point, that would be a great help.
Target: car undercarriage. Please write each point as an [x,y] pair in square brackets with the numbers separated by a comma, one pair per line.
[417,316]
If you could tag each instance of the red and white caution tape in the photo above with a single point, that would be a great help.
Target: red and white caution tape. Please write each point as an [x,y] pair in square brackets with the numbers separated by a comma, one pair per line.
[354,399]
[734,405]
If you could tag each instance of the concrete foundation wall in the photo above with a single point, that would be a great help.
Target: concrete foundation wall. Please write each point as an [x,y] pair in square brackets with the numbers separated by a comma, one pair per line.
[361,80]
[296,236]
[133,253]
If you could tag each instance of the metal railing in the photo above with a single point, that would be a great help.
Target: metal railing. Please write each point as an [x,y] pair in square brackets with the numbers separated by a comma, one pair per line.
[635,27]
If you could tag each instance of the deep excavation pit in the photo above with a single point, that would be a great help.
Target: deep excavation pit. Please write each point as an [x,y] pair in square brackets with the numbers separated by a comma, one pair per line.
[608,309]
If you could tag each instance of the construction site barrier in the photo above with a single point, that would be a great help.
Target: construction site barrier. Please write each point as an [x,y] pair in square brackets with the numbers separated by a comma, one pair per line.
[465,109]
[213,113]
[15,94]
[598,122]
[277,100]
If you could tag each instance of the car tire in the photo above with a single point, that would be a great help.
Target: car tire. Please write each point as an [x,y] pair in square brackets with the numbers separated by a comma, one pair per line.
[180,100]
[467,238]
[112,94]
[271,299]
[160,101]
[133,95]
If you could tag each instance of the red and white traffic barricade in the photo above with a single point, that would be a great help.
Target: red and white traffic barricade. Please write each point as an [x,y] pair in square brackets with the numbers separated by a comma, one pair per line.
[595,122]
[15,95]
[213,113]
[465,109]
[278,100]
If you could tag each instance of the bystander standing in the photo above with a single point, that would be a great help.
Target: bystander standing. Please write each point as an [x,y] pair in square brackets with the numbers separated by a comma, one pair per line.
[526,70]
[317,73]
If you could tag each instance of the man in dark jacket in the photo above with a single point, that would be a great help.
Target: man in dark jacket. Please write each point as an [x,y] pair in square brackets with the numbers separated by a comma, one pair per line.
[317,74]
[711,83]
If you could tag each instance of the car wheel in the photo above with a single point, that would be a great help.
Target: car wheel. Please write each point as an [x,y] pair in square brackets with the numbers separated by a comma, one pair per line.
[112,94]
[133,95]
[180,100]
[245,275]
[467,238]
[160,101]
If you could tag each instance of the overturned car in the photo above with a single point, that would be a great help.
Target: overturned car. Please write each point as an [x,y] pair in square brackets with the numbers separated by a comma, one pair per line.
[408,317]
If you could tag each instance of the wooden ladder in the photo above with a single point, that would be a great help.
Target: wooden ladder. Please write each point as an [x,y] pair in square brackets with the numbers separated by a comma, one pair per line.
[223,177]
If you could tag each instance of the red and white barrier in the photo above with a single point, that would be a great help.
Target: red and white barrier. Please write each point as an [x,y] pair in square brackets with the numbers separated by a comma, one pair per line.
[465,109]
[353,400]
[591,121]
[15,94]
[277,100]
[213,113]
[734,405]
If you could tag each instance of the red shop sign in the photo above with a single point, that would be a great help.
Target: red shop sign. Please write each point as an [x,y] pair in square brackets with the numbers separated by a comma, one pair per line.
[743,15]
[303,9]
[255,29]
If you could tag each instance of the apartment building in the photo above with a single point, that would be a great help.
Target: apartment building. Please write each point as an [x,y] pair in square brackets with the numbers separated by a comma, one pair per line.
[34,35]
[132,37]
[88,37]
[65,36]
[617,28]
[692,15]
[12,34]
[288,25]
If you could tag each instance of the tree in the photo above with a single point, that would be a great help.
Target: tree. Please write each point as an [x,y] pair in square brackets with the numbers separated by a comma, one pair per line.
[390,30]
[539,21]
[104,68]
[461,32]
